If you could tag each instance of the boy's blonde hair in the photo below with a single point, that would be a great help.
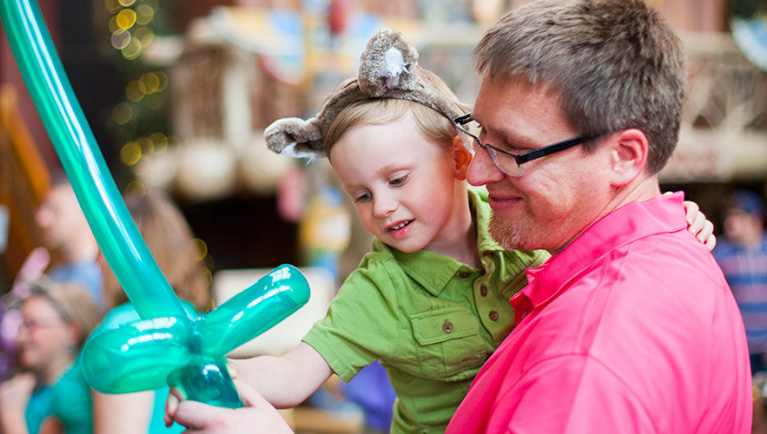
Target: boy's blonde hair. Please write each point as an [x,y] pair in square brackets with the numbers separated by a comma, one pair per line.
[432,124]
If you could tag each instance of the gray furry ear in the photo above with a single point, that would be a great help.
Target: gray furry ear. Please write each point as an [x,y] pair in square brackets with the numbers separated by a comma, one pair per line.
[295,137]
[388,63]
[388,70]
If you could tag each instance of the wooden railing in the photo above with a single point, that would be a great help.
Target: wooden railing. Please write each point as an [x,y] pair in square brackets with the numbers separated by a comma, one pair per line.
[24,179]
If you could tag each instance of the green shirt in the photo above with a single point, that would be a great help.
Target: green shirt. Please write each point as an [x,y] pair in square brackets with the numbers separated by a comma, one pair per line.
[431,320]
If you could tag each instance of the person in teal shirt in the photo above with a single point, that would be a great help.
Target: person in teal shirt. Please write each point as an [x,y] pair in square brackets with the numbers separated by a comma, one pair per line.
[56,320]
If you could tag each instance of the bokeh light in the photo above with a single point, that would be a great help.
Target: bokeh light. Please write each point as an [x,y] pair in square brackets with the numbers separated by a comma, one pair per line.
[200,249]
[126,19]
[112,6]
[144,14]
[160,141]
[120,39]
[151,82]
[135,91]
[122,113]
[144,34]
[130,154]
[132,50]
[135,188]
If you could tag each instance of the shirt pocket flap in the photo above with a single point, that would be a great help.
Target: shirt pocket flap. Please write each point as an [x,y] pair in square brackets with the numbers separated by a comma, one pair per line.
[443,325]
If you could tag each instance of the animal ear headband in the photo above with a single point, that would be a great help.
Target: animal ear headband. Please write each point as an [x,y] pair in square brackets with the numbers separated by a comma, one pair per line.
[389,69]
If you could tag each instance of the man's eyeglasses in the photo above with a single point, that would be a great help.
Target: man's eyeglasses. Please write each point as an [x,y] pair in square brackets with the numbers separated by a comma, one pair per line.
[505,161]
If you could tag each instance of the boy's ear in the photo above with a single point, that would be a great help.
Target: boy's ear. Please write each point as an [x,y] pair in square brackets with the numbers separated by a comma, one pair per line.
[462,158]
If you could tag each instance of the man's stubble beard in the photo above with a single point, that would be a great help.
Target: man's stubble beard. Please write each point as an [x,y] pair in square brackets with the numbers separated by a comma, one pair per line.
[508,235]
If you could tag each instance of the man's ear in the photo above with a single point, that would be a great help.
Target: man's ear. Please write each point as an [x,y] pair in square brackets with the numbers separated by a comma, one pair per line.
[461,157]
[629,150]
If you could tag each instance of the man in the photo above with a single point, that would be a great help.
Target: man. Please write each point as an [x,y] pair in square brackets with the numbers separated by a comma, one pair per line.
[630,327]
[67,234]
[742,254]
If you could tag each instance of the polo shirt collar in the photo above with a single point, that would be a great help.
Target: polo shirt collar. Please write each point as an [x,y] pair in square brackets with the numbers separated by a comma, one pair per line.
[631,222]
[441,269]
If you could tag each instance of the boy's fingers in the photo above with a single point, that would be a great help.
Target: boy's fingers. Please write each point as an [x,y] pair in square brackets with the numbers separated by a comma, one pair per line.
[706,231]
[690,209]
[711,243]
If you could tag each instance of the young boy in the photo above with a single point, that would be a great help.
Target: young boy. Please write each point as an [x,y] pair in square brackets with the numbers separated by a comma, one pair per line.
[431,301]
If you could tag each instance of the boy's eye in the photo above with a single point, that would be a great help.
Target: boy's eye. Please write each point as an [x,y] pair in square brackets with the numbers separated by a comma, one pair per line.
[362,197]
[399,181]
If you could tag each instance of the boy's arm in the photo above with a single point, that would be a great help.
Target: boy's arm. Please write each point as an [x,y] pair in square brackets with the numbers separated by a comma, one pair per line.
[285,381]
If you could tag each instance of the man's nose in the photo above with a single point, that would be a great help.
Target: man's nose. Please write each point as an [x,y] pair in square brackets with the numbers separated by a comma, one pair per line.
[482,170]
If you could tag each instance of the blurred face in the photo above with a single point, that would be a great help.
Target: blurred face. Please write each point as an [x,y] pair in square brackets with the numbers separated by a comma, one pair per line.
[559,195]
[44,337]
[61,218]
[742,227]
[403,186]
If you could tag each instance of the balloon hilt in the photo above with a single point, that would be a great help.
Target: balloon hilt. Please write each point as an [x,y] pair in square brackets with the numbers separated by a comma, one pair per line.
[207,380]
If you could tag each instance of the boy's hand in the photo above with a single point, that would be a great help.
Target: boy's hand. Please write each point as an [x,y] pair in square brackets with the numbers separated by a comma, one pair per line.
[257,415]
[699,226]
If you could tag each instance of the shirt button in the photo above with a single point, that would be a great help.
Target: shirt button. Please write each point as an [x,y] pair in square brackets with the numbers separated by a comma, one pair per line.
[464,274]
[483,290]
[447,327]
[493,315]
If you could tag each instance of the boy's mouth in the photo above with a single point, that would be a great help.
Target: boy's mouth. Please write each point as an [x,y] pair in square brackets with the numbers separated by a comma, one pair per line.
[399,226]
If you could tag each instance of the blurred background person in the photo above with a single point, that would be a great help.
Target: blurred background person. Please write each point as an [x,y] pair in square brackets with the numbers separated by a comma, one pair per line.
[173,247]
[742,254]
[68,255]
[50,395]
[68,236]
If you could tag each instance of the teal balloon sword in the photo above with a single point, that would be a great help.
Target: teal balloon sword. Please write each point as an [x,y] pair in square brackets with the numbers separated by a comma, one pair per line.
[168,346]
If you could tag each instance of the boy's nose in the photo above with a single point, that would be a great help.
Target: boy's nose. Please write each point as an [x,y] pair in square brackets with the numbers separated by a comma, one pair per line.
[384,206]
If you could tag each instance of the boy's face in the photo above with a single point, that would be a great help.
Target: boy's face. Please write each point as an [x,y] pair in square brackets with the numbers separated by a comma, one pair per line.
[405,188]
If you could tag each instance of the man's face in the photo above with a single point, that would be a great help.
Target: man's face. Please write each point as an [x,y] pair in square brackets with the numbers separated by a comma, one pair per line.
[61,218]
[559,195]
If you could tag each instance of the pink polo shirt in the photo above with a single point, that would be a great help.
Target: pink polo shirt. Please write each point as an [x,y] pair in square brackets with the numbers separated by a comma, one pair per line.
[632,328]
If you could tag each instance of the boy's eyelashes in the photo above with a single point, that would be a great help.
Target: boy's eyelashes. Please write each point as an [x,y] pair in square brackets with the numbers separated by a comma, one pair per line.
[394,182]
[400,180]
[362,197]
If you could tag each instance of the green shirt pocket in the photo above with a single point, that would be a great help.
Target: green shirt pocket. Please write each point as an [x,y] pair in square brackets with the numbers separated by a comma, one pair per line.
[448,343]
